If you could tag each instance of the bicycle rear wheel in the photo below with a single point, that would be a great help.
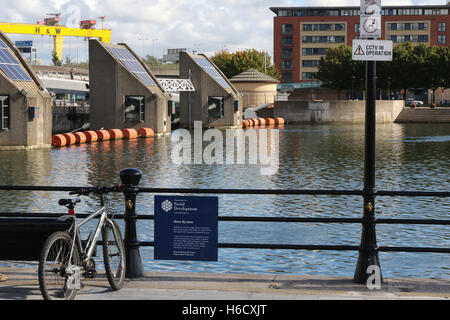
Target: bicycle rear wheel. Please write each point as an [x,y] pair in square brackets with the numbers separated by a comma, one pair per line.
[113,254]
[53,262]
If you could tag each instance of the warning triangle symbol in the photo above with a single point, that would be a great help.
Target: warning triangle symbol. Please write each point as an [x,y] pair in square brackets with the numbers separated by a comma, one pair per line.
[359,51]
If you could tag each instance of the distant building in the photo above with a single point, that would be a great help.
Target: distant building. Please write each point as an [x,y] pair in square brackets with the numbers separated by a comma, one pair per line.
[173,55]
[124,93]
[25,104]
[303,34]
[215,101]
[255,87]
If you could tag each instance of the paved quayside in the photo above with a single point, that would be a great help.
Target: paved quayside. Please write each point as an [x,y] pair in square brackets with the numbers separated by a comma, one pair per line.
[23,285]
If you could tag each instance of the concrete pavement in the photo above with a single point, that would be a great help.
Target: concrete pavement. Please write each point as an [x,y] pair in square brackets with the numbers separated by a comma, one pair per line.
[23,285]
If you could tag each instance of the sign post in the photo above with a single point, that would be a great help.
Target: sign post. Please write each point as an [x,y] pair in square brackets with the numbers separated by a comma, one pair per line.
[370,28]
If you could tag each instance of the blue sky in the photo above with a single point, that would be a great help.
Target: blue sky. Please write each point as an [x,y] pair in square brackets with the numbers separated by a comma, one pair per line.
[206,26]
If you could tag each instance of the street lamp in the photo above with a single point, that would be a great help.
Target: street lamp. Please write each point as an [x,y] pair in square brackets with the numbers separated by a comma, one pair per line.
[153,47]
[143,41]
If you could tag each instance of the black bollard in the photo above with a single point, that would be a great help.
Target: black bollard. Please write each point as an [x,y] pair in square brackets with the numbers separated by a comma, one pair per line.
[130,179]
[368,250]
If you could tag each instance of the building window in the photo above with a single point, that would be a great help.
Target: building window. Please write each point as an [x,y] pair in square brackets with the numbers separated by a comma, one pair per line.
[286,77]
[314,51]
[287,41]
[4,113]
[432,12]
[407,38]
[350,12]
[441,27]
[287,28]
[323,39]
[408,26]
[441,38]
[310,63]
[216,108]
[324,27]
[308,75]
[287,65]
[134,109]
[285,13]
[286,53]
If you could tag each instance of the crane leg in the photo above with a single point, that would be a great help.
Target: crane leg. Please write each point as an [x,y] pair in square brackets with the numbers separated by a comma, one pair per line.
[58,46]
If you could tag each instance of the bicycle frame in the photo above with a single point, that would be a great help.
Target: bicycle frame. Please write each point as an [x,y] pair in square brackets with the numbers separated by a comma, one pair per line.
[92,241]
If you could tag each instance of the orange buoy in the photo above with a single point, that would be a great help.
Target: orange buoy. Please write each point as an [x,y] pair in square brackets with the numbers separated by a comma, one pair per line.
[129,133]
[279,121]
[244,123]
[80,137]
[58,140]
[145,132]
[103,135]
[91,136]
[270,121]
[262,121]
[115,134]
[70,138]
[252,122]
[257,122]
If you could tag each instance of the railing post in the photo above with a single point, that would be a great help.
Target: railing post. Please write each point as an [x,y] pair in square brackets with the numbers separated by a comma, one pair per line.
[368,250]
[130,179]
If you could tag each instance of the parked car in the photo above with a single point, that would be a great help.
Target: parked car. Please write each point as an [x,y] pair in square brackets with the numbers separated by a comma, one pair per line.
[416,102]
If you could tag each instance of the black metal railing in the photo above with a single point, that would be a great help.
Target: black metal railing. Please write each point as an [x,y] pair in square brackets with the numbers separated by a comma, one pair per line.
[368,248]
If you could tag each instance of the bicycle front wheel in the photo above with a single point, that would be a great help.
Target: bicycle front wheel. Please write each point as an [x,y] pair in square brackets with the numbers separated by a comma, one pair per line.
[53,264]
[113,254]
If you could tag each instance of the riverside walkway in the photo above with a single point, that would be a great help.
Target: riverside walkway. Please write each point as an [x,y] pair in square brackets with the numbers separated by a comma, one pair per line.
[23,285]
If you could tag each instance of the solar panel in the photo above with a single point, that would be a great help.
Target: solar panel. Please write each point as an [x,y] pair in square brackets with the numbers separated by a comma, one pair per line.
[212,71]
[10,65]
[3,45]
[130,62]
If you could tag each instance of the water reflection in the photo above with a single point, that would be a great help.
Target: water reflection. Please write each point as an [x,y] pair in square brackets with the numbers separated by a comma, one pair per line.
[409,157]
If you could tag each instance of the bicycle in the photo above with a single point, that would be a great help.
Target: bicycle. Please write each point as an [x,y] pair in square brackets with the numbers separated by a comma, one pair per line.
[64,259]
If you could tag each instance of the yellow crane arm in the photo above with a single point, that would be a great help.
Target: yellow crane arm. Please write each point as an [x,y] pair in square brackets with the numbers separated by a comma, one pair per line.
[58,32]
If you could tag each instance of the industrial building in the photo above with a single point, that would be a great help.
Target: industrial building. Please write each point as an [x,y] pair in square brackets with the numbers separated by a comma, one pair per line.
[124,93]
[25,104]
[303,34]
[215,101]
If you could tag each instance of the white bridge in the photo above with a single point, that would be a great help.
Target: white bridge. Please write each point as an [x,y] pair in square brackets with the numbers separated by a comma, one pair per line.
[176,85]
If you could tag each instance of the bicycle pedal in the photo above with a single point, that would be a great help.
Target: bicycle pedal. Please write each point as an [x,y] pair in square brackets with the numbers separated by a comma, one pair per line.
[90,275]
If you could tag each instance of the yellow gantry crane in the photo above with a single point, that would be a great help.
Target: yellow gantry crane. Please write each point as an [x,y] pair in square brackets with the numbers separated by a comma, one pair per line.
[51,27]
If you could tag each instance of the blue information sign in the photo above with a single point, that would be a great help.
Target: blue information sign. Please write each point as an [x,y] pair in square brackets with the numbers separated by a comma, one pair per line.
[24,44]
[186,228]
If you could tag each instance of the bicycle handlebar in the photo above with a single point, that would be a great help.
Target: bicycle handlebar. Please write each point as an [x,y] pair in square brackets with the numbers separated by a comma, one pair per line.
[97,190]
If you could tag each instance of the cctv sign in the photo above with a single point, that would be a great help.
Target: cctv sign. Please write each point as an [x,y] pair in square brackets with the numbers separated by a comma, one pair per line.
[370,19]
[372,50]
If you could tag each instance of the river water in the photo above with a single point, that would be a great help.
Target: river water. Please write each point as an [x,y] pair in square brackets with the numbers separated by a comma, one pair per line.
[413,157]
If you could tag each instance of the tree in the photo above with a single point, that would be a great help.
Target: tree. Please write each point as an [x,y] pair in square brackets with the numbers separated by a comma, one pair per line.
[55,59]
[338,71]
[232,64]
[152,61]
[412,66]
[223,60]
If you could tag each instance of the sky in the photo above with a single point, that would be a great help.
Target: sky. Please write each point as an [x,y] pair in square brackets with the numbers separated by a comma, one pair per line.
[153,26]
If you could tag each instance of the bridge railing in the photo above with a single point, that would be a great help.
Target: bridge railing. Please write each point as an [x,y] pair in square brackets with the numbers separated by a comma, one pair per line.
[368,247]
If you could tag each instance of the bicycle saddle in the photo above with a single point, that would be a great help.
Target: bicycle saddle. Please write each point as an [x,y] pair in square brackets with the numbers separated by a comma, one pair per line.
[68,202]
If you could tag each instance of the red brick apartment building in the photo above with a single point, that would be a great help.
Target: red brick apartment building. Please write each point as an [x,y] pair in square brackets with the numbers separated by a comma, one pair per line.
[302,34]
